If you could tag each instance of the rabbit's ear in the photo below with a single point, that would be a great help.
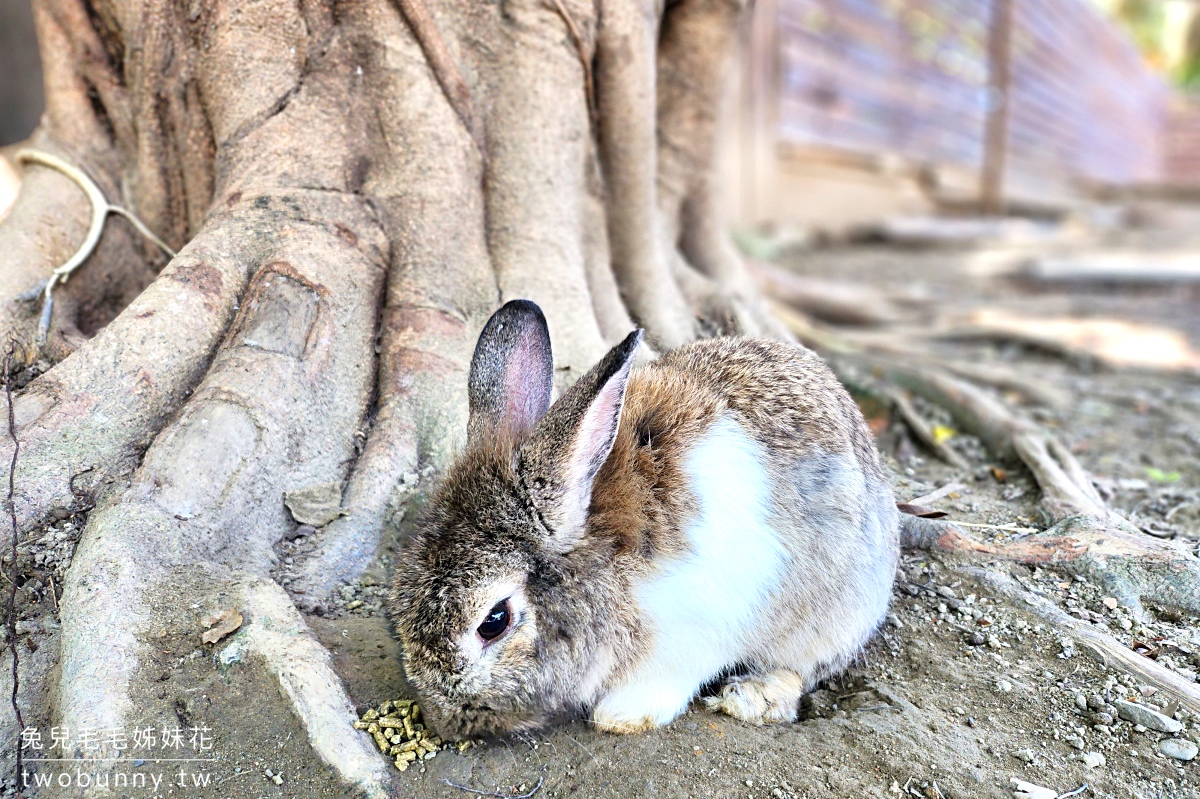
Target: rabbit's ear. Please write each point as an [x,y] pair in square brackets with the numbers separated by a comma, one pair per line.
[512,372]
[575,438]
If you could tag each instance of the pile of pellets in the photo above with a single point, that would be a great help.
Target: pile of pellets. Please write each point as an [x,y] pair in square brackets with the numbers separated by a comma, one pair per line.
[398,732]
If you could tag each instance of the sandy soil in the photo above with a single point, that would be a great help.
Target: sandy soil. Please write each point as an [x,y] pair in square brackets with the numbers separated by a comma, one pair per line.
[957,696]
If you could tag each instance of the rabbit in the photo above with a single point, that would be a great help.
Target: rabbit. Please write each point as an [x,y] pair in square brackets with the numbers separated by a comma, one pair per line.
[722,508]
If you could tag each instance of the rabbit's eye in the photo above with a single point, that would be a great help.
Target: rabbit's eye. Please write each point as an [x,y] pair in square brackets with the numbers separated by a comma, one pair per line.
[496,622]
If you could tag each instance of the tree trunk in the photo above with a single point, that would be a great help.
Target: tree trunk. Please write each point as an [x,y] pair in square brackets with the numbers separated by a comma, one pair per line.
[352,186]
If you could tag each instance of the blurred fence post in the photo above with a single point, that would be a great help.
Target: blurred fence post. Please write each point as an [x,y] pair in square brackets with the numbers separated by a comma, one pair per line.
[995,145]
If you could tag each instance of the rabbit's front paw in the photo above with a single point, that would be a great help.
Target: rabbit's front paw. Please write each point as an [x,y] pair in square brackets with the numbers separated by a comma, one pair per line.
[641,706]
[760,698]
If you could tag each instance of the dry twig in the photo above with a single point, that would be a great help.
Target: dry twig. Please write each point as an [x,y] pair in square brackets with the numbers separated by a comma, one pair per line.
[11,617]
[101,208]
[496,794]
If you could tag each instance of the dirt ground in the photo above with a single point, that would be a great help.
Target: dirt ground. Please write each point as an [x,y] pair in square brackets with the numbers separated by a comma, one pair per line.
[958,694]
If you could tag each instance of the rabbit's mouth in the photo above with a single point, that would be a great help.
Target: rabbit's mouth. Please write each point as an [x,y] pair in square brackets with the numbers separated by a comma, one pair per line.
[475,719]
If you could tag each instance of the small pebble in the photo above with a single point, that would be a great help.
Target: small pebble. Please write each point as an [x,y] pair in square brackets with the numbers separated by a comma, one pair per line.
[1024,755]
[1140,714]
[1093,760]
[1179,749]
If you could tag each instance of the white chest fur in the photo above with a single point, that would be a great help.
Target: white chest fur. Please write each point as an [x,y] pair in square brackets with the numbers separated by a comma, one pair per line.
[701,603]
[700,606]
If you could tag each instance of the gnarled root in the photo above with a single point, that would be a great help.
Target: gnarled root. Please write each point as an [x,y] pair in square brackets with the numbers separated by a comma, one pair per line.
[79,431]
[277,634]
[208,489]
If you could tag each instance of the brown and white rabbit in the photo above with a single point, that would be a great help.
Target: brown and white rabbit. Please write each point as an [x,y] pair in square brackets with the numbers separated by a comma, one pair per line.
[721,508]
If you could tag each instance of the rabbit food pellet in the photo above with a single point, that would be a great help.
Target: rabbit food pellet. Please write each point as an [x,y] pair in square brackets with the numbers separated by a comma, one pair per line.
[398,732]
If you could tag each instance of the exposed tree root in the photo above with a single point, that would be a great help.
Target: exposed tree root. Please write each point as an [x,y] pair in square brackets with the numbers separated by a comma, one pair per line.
[922,431]
[1075,545]
[625,96]
[277,634]
[425,29]
[1102,647]
[207,495]
[78,428]
[1130,565]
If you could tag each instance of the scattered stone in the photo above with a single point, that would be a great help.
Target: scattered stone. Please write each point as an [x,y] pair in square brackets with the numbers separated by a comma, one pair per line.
[1025,755]
[1093,760]
[1095,702]
[1110,602]
[976,639]
[277,779]
[1004,685]
[1102,718]
[316,505]
[1027,790]
[220,624]
[232,654]
[1140,714]
[302,531]
[1178,748]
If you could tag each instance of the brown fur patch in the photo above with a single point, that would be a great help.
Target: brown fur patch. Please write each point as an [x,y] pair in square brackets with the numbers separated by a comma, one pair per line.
[782,394]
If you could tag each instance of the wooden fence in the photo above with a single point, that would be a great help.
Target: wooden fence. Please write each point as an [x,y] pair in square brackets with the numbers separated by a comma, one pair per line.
[910,77]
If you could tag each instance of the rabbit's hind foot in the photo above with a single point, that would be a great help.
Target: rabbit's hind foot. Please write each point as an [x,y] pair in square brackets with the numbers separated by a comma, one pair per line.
[770,698]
